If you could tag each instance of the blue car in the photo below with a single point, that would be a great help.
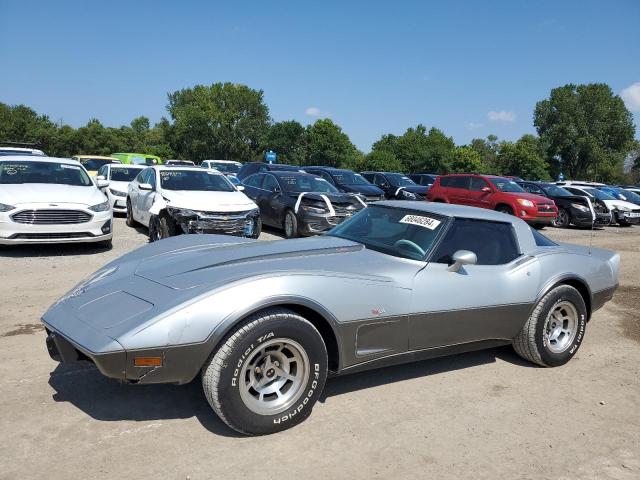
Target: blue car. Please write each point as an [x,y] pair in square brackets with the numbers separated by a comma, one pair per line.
[621,194]
[348,181]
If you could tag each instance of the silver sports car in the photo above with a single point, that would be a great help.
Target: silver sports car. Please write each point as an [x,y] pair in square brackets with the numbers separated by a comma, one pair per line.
[264,323]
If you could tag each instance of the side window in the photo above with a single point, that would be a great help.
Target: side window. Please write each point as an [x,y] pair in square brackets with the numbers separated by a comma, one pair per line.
[254,180]
[494,243]
[102,171]
[140,176]
[532,189]
[478,183]
[379,180]
[270,183]
[152,178]
[459,181]
[368,177]
[444,181]
[327,177]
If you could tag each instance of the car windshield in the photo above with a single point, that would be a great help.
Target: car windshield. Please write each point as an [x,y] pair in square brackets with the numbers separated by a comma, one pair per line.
[600,195]
[344,177]
[506,185]
[630,196]
[12,172]
[556,191]
[6,152]
[95,163]
[194,180]
[179,162]
[225,167]
[124,174]
[305,183]
[399,180]
[394,231]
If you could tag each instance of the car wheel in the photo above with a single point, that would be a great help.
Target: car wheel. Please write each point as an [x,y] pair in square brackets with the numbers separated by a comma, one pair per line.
[166,226]
[257,228]
[554,331]
[505,209]
[130,221]
[267,375]
[290,225]
[563,219]
[154,229]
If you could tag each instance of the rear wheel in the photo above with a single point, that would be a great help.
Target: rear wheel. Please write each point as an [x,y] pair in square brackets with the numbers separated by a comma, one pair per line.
[554,331]
[268,374]
[563,219]
[290,225]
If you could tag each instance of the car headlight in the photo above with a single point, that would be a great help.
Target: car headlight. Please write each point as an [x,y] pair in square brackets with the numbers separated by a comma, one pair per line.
[524,202]
[100,207]
[117,193]
[408,195]
[580,207]
[6,208]
[310,209]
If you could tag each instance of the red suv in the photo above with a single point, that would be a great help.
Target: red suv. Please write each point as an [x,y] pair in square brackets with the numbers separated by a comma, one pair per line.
[495,193]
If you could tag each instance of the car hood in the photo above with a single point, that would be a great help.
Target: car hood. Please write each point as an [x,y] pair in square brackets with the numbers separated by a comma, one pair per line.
[209,201]
[119,186]
[50,193]
[363,189]
[530,196]
[620,203]
[333,197]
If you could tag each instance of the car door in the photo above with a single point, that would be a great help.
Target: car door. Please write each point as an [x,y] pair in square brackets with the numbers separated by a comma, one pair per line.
[147,197]
[273,200]
[479,194]
[134,192]
[487,301]
[458,189]
[380,181]
[253,189]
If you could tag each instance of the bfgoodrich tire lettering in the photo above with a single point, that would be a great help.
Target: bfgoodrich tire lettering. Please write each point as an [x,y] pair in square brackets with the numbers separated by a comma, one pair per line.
[222,375]
[554,331]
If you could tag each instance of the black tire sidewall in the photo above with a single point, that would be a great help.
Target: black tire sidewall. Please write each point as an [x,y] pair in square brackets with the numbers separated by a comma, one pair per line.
[233,406]
[505,209]
[153,227]
[564,293]
[257,228]
[294,224]
[166,227]
[130,221]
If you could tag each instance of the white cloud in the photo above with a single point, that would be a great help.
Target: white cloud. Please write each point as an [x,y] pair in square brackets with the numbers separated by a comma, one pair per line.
[316,112]
[631,97]
[501,116]
[474,126]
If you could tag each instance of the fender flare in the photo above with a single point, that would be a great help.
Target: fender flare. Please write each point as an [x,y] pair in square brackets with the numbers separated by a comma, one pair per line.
[564,278]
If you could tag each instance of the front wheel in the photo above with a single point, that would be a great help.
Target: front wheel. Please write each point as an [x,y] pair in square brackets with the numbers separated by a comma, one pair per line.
[161,226]
[268,374]
[257,228]
[563,219]
[290,225]
[554,331]
[505,209]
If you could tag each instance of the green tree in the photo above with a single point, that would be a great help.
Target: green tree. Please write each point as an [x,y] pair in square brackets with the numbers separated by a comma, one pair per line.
[418,150]
[288,140]
[328,145]
[379,161]
[586,129]
[524,158]
[223,120]
[465,159]
[488,150]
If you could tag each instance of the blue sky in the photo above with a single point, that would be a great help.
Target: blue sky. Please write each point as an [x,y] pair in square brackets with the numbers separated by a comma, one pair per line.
[469,68]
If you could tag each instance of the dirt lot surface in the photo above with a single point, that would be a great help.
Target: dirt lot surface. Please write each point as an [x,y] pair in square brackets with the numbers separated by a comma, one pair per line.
[477,415]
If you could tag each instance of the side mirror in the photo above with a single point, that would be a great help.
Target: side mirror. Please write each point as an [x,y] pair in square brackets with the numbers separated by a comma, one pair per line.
[145,186]
[275,190]
[486,189]
[101,182]
[462,257]
[240,188]
[100,177]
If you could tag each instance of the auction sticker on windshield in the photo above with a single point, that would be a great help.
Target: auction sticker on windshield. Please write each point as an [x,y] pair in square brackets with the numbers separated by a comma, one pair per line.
[420,221]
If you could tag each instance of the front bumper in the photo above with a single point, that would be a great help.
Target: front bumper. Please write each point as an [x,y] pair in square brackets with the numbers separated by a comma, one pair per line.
[314,223]
[627,218]
[119,204]
[98,228]
[227,223]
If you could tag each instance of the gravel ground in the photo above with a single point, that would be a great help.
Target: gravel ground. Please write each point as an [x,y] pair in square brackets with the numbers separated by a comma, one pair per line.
[478,415]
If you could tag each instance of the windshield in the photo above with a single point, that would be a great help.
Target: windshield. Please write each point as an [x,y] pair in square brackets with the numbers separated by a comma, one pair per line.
[305,183]
[12,172]
[225,167]
[556,191]
[194,180]
[95,163]
[394,231]
[179,162]
[600,195]
[6,152]
[349,178]
[630,196]
[123,174]
[506,185]
[399,180]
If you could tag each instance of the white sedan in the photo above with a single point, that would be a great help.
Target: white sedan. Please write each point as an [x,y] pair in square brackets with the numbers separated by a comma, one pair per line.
[51,200]
[119,176]
[174,200]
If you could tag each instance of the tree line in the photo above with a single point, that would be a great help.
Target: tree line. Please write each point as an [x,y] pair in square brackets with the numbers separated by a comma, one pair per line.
[584,131]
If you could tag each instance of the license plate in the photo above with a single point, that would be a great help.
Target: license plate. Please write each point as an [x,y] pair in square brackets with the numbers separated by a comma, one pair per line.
[633,215]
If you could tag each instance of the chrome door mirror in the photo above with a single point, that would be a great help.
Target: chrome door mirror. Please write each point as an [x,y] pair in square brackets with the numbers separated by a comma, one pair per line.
[462,257]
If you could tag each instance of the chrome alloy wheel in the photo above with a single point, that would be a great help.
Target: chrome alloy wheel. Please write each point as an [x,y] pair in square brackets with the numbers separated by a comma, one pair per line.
[561,326]
[273,376]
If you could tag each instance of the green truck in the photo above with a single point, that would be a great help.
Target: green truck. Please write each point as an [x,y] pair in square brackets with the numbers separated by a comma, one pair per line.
[138,158]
